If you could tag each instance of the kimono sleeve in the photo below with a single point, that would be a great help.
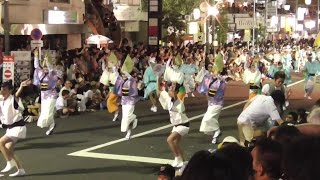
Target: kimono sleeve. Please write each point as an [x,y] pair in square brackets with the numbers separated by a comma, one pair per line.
[165,100]
[36,79]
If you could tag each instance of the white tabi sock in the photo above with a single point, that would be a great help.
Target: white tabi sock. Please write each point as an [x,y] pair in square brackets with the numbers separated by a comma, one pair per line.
[175,162]
[20,172]
[51,128]
[115,117]
[10,164]
[128,136]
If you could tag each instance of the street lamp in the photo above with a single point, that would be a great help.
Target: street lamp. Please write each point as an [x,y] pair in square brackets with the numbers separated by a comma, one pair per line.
[307,2]
[213,11]
[310,24]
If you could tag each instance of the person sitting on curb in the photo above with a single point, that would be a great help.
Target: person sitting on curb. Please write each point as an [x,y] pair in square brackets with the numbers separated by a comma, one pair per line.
[61,105]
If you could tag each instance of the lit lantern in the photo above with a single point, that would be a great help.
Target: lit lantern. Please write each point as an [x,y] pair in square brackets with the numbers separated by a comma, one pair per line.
[193,28]
[286,7]
[307,2]
[196,13]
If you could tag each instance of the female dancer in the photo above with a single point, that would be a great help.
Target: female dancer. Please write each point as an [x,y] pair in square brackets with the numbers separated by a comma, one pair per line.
[170,101]
[46,78]
[126,87]
[108,78]
[213,85]
[252,76]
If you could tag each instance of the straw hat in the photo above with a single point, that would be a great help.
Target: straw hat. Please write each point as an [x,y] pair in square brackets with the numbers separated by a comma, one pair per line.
[127,65]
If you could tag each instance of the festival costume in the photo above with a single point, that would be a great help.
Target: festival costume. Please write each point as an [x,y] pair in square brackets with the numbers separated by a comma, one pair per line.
[47,82]
[214,88]
[310,68]
[254,81]
[174,75]
[178,119]
[108,78]
[189,71]
[127,89]
[11,110]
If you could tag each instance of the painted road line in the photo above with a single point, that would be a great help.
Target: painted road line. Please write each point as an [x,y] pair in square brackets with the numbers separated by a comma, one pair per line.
[149,131]
[157,129]
[124,158]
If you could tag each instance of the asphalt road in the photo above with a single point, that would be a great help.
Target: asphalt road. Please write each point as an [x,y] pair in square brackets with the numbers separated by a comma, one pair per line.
[91,146]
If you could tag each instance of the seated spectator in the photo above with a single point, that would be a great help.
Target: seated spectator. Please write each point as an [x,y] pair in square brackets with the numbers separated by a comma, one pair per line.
[167,172]
[267,156]
[96,98]
[292,118]
[88,94]
[301,159]
[61,105]
[34,109]
[67,86]
[302,116]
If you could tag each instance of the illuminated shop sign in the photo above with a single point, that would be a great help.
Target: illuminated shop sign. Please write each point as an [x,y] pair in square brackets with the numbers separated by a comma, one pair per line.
[62,17]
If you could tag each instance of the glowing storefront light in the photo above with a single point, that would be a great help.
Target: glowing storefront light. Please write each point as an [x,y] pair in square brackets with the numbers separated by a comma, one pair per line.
[196,13]
[193,28]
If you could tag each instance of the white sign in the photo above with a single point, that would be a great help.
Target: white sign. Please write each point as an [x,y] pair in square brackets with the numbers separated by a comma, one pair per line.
[271,10]
[130,13]
[244,23]
[153,41]
[22,63]
[62,17]
[36,43]
[8,68]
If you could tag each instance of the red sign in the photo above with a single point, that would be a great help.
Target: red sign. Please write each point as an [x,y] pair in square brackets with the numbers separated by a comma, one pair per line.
[7,73]
[8,68]
[36,34]
[8,59]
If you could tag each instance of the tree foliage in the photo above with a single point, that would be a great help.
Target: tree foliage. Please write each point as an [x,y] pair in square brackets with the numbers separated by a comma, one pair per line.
[222,26]
[175,10]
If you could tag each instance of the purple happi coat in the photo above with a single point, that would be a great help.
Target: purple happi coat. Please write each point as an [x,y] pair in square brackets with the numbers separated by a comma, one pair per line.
[216,83]
[51,79]
[130,84]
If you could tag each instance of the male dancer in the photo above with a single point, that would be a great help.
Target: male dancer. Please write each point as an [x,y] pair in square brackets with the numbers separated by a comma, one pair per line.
[150,82]
[46,78]
[310,69]
[11,109]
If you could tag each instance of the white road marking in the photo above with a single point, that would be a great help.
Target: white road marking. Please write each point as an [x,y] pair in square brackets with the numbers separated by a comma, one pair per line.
[87,153]
[124,158]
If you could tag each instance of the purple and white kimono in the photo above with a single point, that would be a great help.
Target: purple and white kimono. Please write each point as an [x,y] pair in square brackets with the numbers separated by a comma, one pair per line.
[127,89]
[214,88]
[47,82]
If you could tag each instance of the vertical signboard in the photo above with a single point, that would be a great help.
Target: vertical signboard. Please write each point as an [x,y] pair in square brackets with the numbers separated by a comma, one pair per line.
[22,65]
[154,22]
[8,68]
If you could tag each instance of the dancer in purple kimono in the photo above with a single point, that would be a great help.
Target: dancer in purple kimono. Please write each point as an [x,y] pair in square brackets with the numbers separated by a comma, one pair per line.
[213,85]
[126,87]
[46,78]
